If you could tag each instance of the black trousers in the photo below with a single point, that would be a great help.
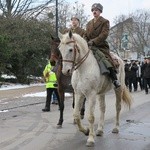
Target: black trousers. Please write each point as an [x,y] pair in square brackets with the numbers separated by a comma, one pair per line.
[49,95]
[146,84]
[139,80]
[132,80]
[126,81]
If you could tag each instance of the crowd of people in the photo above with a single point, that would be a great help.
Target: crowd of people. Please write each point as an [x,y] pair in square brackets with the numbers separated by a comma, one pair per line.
[137,74]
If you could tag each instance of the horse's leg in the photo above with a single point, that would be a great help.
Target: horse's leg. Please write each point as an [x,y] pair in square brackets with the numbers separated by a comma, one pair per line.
[82,109]
[91,118]
[102,108]
[73,104]
[73,101]
[61,106]
[118,93]
[76,114]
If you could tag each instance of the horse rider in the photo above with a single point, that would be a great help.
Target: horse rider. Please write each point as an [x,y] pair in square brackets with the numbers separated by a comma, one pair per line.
[51,85]
[75,26]
[97,31]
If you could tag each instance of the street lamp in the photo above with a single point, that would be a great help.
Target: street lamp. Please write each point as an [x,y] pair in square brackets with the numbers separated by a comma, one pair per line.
[56,18]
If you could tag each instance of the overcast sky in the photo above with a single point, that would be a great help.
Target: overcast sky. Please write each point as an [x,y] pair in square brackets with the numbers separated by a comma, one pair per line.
[113,8]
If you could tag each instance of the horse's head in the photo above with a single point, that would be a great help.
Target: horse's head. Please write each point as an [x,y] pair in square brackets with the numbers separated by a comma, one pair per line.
[55,53]
[70,51]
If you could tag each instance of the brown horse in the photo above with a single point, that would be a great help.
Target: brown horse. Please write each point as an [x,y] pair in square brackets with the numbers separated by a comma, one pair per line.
[64,82]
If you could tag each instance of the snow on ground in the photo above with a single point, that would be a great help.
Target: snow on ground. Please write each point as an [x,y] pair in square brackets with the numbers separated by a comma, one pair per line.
[43,94]
[17,86]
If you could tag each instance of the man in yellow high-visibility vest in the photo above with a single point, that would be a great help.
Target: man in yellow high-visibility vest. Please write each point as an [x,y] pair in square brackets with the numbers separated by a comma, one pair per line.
[51,85]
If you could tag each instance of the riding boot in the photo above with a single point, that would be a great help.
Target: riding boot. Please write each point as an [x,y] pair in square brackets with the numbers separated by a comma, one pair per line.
[113,77]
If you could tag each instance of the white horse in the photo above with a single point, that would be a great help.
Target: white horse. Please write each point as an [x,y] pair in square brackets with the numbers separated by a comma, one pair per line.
[87,81]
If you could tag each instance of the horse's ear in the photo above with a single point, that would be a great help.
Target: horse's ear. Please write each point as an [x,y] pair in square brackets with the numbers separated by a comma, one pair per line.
[60,35]
[70,34]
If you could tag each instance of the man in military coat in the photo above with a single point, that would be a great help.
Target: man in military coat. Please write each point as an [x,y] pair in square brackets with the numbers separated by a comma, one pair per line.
[97,31]
[75,26]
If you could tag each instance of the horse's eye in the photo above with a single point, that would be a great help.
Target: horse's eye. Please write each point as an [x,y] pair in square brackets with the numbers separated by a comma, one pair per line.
[70,50]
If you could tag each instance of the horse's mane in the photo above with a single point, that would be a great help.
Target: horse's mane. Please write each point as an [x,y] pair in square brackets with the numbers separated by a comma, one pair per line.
[54,46]
[80,41]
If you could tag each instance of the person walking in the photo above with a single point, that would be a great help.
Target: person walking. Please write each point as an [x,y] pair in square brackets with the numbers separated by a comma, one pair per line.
[139,75]
[127,72]
[146,74]
[133,75]
[97,31]
[51,86]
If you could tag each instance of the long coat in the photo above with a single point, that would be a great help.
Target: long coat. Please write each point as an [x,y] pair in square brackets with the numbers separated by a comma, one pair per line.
[98,32]
[146,70]
[77,30]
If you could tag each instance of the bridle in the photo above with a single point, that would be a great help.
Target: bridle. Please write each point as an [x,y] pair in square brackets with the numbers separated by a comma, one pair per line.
[76,65]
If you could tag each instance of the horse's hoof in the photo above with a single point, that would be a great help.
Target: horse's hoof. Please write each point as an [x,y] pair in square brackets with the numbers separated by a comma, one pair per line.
[59,126]
[82,116]
[90,144]
[115,130]
[99,133]
[87,132]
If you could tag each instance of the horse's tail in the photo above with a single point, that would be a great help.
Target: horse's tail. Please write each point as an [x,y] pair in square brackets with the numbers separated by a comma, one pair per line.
[126,97]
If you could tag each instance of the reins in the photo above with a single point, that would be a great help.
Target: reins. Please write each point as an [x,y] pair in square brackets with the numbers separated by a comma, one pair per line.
[76,65]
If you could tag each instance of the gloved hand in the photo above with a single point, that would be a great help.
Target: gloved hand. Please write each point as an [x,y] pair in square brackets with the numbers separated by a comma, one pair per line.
[90,43]
[55,85]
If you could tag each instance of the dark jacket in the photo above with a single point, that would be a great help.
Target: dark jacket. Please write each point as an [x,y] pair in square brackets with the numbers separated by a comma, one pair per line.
[146,70]
[127,70]
[133,70]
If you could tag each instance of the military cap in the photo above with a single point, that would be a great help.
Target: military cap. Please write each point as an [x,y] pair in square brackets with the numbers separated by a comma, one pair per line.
[97,6]
[75,17]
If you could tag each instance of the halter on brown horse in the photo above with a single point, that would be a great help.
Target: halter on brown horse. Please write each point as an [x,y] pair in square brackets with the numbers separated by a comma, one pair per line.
[64,82]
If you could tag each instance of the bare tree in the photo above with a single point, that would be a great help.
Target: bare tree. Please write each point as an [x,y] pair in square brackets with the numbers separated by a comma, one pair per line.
[49,14]
[131,32]
[78,10]
[116,33]
[65,12]
[28,8]
[140,30]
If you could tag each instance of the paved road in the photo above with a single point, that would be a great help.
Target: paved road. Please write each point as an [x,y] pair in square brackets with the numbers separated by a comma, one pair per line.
[25,127]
